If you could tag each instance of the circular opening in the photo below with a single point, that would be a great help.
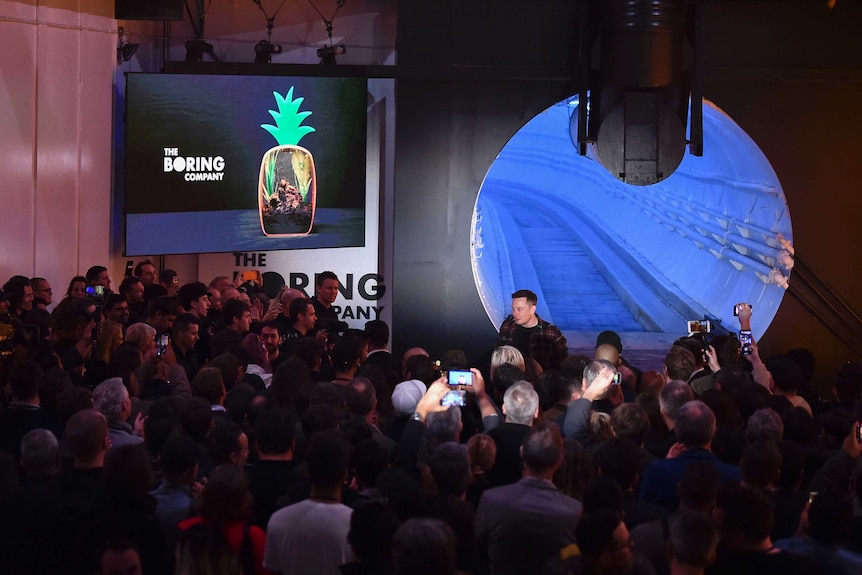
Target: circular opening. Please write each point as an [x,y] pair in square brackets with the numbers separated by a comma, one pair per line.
[602,254]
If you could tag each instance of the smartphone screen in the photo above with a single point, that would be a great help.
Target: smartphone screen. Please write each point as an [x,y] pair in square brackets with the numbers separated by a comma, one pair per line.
[163,345]
[456,397]
[618,379]
[745,341]
[460,377]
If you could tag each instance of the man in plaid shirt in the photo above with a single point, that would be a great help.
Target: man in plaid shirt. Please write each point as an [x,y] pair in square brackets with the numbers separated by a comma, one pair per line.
[533,336]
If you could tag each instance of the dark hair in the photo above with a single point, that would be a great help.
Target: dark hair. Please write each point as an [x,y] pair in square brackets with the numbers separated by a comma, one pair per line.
[111,300]
[261,401]
[291,383]
[125,361]
[698,486]
[378,332]
[694,424]
[618,459]
[319,419]
[25,379]
[309,350]
[792,465]
[196,417]
[722,407]
[323,276]
[372,526]
[178,455]
[164,305]
[345,353]
[223,441]
[85,434]
[184,322]
[73,281]
[746,511]
[630,421]
[327,457]
[532,299]
[275,431]
[233,309]
[421,367]
[361,396]
[54,381]
[229,361]
[127,284]
[191,292]
[749,398]
[761,464]
[693,538]
[673,396]
[94,272]
[140,266]
[604,494]
[209,384]
[270,324]
[595,533]
[226,498]
[692,344]
[726,349]
[542,447]
[369,460]
[848,383]
[731,378]
[423,546]
[575,471]
[450,469]
[297,307]
[830,518]
[128,471]
[505,376]
[785,373]
[236,402]
[680,363]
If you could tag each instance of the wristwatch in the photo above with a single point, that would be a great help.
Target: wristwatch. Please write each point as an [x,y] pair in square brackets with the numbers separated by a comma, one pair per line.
[416,417]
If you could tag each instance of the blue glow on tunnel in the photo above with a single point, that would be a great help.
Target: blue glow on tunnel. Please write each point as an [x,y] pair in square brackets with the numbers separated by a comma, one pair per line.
[602,254]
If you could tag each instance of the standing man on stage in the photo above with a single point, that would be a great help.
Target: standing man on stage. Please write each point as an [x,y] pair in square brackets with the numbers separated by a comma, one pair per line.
[533,336]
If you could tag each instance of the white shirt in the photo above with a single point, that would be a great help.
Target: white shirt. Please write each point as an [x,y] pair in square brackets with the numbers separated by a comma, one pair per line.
[308,537]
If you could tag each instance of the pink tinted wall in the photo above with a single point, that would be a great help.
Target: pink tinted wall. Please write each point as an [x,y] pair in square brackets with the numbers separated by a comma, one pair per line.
[57,60]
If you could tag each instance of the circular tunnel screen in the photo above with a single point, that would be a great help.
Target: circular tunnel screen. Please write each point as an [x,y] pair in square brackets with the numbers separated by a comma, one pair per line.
[601,254]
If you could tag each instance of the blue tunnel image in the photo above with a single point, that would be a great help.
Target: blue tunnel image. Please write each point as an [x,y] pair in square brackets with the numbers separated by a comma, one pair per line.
[602,254]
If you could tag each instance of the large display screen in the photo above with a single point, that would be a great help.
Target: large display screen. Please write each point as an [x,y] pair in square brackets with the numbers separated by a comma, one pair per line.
[244,163]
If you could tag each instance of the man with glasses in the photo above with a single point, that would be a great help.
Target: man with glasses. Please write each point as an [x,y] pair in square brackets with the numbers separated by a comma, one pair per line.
[42,294]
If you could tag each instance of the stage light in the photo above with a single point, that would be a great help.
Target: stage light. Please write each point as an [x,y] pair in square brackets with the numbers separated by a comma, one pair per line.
[126,51]
[195,50]
[327,54]
[264,50]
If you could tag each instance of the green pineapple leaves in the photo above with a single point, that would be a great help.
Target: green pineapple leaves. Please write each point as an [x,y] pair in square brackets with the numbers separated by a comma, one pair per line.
[288,128]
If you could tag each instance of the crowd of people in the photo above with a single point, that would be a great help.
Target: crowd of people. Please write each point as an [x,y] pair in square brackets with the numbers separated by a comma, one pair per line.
[208,429]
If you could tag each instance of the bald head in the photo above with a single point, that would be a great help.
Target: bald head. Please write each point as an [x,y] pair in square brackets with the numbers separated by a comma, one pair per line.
[229,293]
[608,353]
[87,436]
[410,353]
[288,296]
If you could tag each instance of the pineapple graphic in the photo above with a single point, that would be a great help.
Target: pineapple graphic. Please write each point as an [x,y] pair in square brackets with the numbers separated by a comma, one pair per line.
[287,189]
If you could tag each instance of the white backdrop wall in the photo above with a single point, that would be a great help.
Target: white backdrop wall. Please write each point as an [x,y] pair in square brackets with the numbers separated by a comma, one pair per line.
[57,60]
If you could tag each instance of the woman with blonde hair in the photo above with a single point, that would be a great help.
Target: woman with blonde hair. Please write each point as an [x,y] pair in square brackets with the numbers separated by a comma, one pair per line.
[142,334]
[110,338]
[506,354]
[203,550]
